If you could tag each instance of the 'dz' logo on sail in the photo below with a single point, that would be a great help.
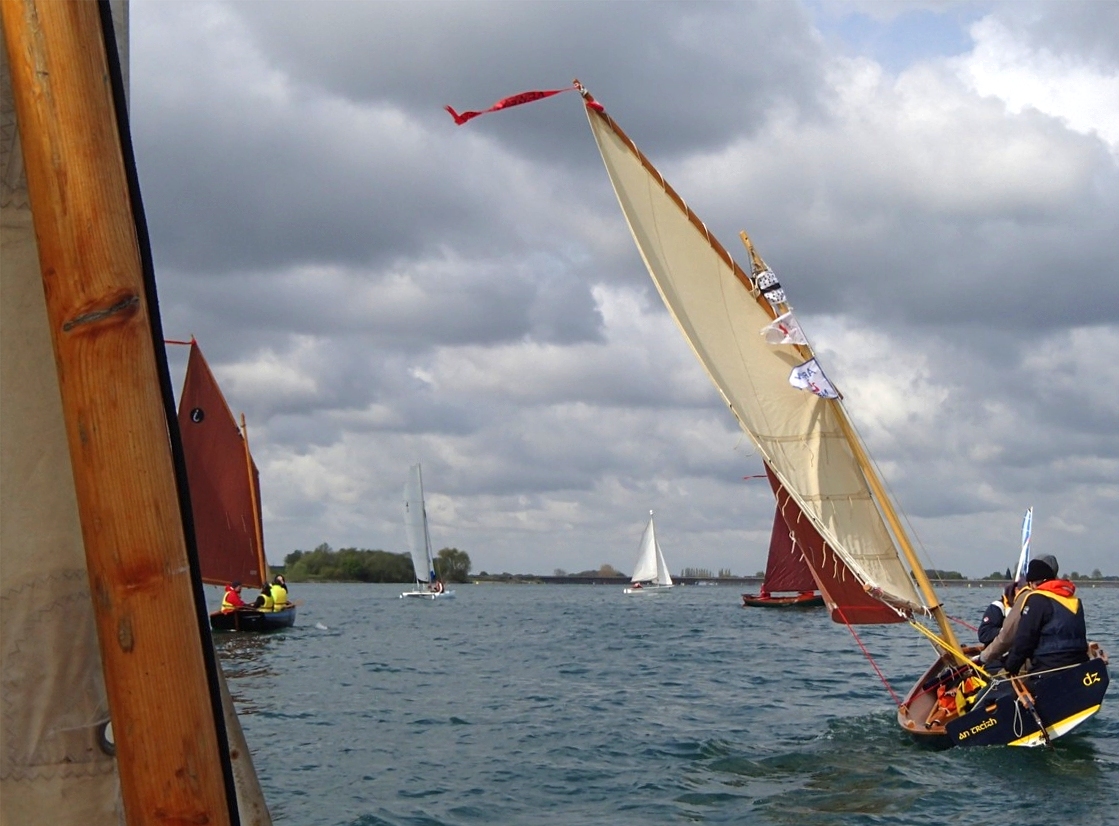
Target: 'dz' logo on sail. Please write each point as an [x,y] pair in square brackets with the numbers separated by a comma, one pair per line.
[197,415]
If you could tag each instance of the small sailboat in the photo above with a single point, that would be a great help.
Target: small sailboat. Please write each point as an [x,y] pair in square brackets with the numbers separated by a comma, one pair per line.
[427,584]
[650,572]
[788,580]
[225,498]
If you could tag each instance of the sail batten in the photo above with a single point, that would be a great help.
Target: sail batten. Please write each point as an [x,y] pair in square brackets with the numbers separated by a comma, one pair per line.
[801,437]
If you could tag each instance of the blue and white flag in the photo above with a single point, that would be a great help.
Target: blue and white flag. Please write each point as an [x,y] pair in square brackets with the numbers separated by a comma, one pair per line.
[810,376]
[1024,556]
[784,329]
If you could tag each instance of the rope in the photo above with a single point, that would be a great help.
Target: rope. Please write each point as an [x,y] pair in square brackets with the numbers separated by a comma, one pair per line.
[869,658]
[964,623]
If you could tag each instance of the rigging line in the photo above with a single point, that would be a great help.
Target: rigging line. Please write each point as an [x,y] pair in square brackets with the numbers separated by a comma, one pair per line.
[869,658]
[964,623]
[943,645]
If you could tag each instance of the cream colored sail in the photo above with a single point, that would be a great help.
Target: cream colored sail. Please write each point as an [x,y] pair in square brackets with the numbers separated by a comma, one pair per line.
[799,434]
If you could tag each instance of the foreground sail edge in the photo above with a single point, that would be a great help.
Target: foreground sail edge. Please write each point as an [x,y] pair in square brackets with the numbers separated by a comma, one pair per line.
[164,763]
[793,430]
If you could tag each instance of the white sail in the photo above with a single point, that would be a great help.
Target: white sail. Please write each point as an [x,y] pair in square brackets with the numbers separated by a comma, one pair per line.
[645,569]
[663,576]
[415,526]
[799,435]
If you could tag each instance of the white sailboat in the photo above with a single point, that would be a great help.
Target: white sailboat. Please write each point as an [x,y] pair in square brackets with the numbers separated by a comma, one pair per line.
[427,585]
[650,573]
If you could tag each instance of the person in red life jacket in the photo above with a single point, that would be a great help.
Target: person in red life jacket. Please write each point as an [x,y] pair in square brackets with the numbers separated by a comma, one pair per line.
[231,601]
[1052,632]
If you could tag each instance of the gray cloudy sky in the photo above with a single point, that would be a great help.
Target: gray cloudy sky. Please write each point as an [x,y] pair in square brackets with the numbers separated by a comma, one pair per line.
[935,183]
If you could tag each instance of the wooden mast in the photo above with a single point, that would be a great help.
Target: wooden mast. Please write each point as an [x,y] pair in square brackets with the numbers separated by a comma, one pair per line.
[167,742]
[254,496]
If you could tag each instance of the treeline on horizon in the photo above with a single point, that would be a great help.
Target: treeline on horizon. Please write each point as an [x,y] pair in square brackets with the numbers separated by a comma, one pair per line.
[324,564]
[939,576]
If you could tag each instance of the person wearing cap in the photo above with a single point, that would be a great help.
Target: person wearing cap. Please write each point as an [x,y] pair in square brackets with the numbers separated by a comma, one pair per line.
[1052,632]
[996,650]
[231,601]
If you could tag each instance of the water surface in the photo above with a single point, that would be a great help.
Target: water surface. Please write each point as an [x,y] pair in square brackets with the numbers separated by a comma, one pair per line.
[522,704]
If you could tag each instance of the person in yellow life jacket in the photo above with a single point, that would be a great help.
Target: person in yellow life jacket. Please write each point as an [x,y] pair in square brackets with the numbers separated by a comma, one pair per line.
[232,599]
[264,602]
[1052,632]
[279,593]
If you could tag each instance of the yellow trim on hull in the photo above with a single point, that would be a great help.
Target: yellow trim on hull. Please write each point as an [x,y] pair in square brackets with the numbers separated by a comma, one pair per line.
[1057,729]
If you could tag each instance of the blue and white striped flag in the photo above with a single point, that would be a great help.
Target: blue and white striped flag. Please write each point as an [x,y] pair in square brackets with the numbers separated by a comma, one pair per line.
[1024,556]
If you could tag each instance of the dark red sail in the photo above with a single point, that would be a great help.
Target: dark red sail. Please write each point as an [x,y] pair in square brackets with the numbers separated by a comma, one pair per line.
[225,514]
[846,598]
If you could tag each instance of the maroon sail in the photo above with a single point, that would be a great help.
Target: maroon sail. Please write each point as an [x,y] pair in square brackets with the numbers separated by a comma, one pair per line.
[786,569]
[846,598]
[223,495]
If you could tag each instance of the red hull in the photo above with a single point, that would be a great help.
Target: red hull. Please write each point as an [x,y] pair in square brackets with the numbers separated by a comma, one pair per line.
[797,601]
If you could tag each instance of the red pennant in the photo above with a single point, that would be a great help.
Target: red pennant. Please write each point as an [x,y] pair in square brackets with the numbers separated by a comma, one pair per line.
[505,103]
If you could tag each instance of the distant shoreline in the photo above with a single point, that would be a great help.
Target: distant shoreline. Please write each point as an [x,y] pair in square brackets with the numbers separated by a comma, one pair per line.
[736,581]
[748,582]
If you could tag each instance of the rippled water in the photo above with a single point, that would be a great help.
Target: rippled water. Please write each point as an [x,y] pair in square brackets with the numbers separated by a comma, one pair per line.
[577,704]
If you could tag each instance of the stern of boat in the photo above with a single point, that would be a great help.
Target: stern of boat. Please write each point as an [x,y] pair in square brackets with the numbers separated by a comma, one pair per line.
[954,705]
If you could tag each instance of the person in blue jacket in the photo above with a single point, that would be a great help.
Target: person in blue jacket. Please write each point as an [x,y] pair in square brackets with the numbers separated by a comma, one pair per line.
[1052,631]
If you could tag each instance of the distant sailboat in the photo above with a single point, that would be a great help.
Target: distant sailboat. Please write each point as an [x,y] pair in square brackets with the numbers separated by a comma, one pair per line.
[225,497]
[785,572]
[650,572]
[427,584]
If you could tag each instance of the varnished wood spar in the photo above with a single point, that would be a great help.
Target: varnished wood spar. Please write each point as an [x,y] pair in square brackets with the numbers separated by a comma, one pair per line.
[170,765]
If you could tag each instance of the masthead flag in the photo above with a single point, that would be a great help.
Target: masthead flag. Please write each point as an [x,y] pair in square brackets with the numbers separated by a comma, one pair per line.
[506,103]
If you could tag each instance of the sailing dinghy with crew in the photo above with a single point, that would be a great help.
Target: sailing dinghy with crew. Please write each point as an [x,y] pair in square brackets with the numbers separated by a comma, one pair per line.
[650,572]
[225,497]
[828,491]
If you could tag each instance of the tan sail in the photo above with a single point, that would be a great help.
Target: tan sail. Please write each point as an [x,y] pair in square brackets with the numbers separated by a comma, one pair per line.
[800,436]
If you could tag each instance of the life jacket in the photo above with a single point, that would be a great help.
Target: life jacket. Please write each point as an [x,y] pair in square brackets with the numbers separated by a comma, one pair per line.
[269,603]
[1064,637]
[279,596]
[231,600]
